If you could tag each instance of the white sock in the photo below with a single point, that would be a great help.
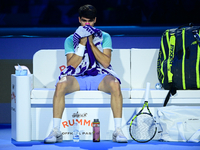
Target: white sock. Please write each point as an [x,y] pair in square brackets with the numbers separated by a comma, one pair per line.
[118,122]
[56,123]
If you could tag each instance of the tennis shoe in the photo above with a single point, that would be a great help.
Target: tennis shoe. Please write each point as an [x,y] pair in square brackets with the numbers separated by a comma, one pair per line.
[54,137]
[119,137]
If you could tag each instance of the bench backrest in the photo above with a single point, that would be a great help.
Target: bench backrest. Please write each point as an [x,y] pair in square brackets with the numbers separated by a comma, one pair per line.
[143,67]
[47,64]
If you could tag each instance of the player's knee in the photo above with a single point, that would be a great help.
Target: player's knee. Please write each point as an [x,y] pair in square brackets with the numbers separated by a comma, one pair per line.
[63,79]
[115,86]
[61,86]
[115,83]
[116,80]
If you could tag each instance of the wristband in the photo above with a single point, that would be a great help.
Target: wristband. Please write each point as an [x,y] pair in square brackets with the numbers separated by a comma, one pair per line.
[80,50]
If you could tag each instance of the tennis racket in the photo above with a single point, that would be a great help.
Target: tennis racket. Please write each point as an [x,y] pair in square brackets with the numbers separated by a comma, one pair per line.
[143,126]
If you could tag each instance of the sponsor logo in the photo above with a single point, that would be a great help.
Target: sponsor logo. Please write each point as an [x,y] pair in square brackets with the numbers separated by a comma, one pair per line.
[82,122]
[193,119]
[159,63]
[62,67]
[80,133]
[79,115]
[171,56]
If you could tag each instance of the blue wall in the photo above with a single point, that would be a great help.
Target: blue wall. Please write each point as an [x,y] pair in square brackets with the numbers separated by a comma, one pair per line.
[24,48]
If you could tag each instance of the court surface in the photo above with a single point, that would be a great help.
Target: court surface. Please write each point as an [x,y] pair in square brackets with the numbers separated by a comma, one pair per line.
[7,143]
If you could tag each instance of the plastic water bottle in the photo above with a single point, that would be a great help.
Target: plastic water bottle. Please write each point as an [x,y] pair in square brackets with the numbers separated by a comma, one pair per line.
[76,133]
[158,86]
[20,72]
[96,130]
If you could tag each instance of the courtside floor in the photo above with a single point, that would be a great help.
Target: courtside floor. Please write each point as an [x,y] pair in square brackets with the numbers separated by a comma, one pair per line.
[7,143]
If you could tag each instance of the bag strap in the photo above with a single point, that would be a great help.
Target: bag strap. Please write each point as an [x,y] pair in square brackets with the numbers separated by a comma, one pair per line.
[172,91]
[185,25]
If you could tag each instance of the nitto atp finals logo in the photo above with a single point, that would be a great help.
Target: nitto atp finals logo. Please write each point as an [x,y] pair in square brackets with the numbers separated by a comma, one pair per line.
[83,122]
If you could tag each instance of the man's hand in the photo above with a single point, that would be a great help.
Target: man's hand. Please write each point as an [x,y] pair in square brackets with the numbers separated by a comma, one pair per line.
[83,41]
[91,39]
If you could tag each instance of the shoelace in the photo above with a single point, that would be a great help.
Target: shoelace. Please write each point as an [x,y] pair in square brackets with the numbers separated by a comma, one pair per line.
[119,132]
[53,132]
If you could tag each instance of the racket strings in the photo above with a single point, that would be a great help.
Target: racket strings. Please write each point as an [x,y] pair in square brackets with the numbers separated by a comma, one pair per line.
[143,127]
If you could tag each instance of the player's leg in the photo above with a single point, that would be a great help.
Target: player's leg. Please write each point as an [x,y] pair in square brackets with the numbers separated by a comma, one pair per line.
[67,84]
[111,85]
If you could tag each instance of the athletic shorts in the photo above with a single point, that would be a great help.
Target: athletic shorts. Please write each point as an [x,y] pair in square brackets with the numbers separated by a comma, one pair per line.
[90,82]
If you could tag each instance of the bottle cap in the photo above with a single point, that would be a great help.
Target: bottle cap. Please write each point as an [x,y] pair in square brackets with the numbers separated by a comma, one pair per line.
[96,120]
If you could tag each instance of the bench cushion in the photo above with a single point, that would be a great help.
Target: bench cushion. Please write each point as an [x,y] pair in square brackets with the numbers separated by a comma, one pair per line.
[47,93]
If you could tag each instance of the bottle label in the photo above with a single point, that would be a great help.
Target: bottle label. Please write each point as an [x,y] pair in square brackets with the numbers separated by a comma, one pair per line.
[96,132]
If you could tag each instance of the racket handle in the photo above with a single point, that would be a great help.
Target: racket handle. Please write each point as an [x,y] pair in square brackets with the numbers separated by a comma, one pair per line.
[147,91]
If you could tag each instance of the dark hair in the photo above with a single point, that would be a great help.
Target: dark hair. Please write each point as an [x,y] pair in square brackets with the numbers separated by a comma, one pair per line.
[87,11]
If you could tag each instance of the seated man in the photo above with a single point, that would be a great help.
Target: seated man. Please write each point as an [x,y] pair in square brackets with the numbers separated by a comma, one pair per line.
[88,54]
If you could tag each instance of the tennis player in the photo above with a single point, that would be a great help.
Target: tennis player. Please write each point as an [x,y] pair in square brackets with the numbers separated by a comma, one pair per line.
[103,82]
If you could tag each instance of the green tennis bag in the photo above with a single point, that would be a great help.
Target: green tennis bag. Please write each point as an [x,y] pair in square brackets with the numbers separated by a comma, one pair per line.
[178,61]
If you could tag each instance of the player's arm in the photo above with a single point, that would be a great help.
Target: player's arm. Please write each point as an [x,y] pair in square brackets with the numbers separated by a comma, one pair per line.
[103,58]
[74,59]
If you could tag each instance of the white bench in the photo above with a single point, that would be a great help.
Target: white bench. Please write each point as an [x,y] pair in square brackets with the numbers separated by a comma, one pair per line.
[135,67]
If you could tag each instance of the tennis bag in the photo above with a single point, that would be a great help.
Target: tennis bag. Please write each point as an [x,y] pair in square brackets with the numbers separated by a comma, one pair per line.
[178,60]
[179,123]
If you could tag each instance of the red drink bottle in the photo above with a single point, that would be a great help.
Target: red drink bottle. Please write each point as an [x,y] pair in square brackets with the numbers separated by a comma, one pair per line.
[96,130]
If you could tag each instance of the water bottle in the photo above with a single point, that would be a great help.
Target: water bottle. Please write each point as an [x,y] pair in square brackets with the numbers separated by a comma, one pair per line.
[76,133]
[96,130]
[19,71]
[158,86]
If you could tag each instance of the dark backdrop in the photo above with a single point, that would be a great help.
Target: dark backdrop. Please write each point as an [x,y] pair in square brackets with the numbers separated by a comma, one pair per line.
[40,13]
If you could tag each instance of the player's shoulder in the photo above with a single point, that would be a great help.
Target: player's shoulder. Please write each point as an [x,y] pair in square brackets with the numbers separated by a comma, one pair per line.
[105,34]
[69,41]
[69,38]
